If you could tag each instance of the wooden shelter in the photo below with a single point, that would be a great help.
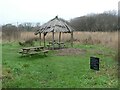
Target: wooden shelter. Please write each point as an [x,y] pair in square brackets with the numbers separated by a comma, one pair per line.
[55,25]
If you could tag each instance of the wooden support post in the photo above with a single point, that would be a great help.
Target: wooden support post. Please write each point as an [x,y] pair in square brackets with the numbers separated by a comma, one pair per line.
[59,39]
[53,41]
[40,38]
[72,38]
[44,40]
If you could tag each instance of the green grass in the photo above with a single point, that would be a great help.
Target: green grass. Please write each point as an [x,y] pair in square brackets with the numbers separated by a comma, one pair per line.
[0,64]
[56,71]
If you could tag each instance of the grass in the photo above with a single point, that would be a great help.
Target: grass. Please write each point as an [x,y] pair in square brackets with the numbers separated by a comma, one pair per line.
[56,71]
[0,65]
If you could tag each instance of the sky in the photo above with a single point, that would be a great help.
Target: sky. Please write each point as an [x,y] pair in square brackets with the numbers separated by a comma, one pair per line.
[13,11]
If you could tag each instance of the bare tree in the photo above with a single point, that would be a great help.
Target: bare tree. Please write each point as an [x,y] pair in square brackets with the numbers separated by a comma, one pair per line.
[10,32]
[106,21]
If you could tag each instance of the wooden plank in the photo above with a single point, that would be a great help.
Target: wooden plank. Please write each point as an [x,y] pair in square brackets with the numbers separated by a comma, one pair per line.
[32,47]
[72,38]
[40,38]
[31,53]
[45,51]
[59,39]
[53,40]
[44,40]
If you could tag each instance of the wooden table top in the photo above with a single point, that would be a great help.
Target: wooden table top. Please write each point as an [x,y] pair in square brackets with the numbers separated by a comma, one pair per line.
[28,48]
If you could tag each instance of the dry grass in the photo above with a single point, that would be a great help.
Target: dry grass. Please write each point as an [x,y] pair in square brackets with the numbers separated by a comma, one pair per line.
[105,38]
[27,35]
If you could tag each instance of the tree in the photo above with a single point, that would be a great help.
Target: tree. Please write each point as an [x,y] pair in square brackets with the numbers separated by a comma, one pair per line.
[10,32]
[106,21]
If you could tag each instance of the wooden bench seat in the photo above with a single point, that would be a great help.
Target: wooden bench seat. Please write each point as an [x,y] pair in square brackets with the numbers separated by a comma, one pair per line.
[32,53]
[45,51]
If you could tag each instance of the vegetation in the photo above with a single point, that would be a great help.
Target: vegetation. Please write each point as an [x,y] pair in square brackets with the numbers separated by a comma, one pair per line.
[104,38]
[66,68]
[69,71]
[106,21]
[0,65]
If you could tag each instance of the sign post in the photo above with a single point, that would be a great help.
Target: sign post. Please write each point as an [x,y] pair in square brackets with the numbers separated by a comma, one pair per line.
[94,63]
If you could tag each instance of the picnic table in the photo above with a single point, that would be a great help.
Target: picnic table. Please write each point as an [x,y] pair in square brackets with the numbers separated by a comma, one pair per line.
[57,45]
[33,50]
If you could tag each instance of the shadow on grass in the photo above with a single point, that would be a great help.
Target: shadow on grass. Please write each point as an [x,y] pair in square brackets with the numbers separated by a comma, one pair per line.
[32,57]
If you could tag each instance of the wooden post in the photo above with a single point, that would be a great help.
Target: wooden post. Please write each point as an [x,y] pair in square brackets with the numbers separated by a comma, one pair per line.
[59,39]
[72,38]
[40,38]
[44,40]
[53,41]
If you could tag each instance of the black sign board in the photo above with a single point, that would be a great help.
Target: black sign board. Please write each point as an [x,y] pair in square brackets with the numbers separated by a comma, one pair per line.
[94,63]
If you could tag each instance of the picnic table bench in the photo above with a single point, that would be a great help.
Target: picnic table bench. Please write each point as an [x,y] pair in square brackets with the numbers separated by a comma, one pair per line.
[33,50]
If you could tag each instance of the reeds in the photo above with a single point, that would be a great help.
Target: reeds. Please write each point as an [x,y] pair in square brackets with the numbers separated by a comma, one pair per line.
[105,38]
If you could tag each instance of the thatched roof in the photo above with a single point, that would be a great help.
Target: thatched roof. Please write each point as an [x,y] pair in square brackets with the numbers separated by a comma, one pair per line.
[56,25]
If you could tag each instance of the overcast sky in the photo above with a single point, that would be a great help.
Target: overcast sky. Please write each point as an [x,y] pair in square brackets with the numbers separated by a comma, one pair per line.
[12,11]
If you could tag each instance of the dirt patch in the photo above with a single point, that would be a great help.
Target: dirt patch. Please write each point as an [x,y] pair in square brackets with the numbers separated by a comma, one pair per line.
[70,51]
